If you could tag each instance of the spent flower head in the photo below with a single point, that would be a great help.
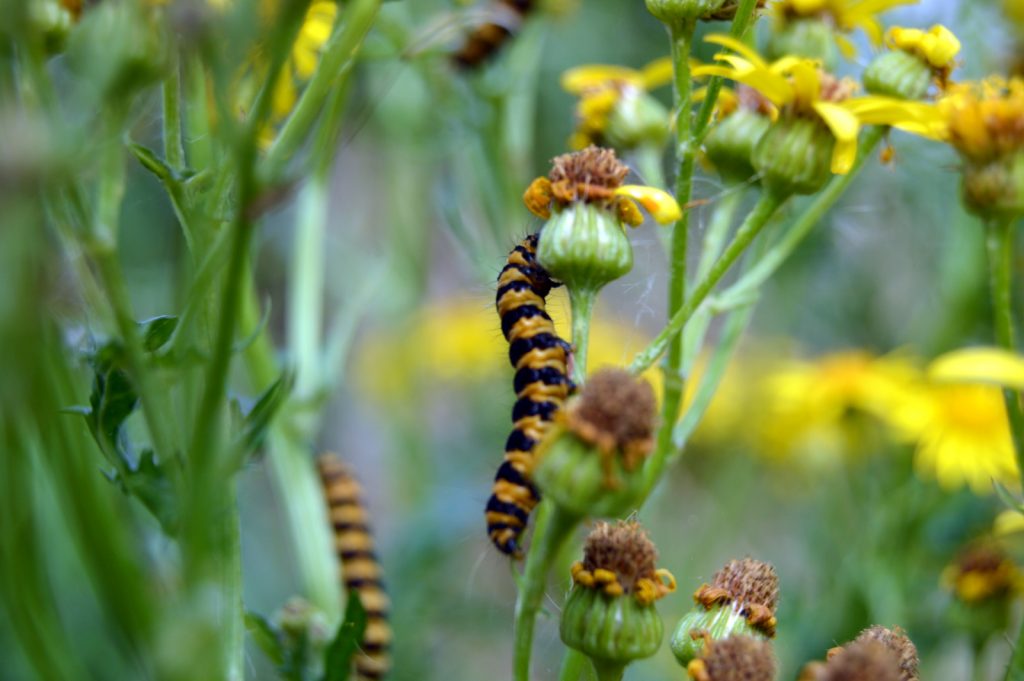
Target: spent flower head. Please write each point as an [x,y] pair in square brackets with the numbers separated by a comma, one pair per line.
[736,658]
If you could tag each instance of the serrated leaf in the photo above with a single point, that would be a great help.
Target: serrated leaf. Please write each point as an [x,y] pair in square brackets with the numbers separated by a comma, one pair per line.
[157,331]
[254,425]
[111,402]
[338,656]
[265,636]
[149,482]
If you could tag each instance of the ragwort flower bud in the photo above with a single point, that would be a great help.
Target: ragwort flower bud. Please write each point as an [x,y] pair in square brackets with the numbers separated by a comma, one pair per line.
[917,59]
[675,11]
[590,463]
[736,658]
[810,37]
[741,599]
[610,614]
[583,244]
[795,156]
[730,144]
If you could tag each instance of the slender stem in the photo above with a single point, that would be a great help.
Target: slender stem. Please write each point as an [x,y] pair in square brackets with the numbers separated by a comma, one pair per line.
[573,664]
[766,207]
[773,259]
[741,22]
[582,301]
[338,58]
[553,526]
[1000,247]
[305,313]
[174,148]
[232,581]
[718,229]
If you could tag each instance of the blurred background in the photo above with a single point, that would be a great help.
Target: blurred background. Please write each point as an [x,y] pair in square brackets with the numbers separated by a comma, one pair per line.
[788,466]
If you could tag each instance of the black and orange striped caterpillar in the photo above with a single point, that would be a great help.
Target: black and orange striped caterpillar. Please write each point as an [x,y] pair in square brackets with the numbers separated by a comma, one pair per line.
[487,39]
[359,568]
[541,362]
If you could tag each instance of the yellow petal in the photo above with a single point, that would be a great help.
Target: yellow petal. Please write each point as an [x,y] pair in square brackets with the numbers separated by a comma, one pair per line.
[772,85]
[844,126]
[980,365]
[738,47]
[576,80]
[1007,523]
[657,73]
[660,204]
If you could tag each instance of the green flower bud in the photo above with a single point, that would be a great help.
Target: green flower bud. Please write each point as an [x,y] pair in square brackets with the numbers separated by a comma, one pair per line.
[637,119]
[741,600]
[736,658]
[994,188]
[805,37]
[795,156]
[584,246]
[53,21]
[673,11]
[117,48]
[898,74]
[610,614]
[590,465]
[730,144]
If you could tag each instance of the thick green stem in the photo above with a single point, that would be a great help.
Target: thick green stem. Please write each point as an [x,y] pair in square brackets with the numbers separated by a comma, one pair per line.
[801,228]
[608,670]
[174,149]
[552,527]
[766,207]
[582,302]
[1000,256]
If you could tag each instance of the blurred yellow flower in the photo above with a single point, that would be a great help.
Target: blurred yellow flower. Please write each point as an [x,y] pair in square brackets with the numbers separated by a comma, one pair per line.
[982,573]
[845,15]
[1008,523]
[983,119]
[798,87]
[460,341]
[958,419]
[937,46]
[305,55]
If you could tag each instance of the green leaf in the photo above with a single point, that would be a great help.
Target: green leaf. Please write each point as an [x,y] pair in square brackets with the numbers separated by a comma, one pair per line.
[149,483]
[265,636]
[255,423]
[157,331]
[150,161]
[111,401]
[338,656]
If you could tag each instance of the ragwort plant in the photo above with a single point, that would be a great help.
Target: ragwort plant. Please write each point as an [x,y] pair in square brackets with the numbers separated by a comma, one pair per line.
[252,97]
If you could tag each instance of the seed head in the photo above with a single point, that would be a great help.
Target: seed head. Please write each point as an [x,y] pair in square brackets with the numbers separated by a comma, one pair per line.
[897,642]
[616,412]
[737,658]
[589,175]
[624,549]
[749,581]
[862,660]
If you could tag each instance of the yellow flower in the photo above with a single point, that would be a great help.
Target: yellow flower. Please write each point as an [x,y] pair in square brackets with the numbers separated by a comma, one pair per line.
[807,405]
[1009,523]
[958,419]
[982,573]
[798,87]
[305,55]
[605,89]
[845,15]
[937,46]
[983,120]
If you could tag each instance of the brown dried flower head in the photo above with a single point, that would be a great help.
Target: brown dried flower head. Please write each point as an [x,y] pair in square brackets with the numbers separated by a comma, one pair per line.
[897,641]
[751,586]
[736,658]
[862,660]
[615,413]
[621,559]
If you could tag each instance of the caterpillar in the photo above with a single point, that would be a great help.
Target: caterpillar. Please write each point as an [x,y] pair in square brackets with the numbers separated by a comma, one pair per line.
[541,361]
[487,39]
[359,568]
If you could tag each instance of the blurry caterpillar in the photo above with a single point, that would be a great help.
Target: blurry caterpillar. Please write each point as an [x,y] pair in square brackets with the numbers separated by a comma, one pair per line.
[488,38]
[541,360]
[360,569]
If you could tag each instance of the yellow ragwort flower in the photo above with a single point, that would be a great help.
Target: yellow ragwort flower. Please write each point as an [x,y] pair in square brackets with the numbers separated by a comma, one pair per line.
[846,15]
[937,46]
[799,88]
[985,119]
[604,89]
[958,419]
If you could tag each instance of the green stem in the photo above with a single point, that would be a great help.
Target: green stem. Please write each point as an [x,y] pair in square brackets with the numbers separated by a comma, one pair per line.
[773,259]
[766,207]
[718,229]
[1000,247]
[231,579]
[305,311]
[582,302]
[573,664]
[337,60]
[552,527]
[174,148]
[608,670]
[741,22]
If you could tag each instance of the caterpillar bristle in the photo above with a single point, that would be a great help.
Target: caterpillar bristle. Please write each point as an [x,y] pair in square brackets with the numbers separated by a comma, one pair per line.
[488,39]
[541,362]
[360,570]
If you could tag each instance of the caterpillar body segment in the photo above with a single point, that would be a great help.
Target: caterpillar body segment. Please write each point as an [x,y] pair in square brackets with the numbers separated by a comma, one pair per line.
[360,570]
[541,360]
